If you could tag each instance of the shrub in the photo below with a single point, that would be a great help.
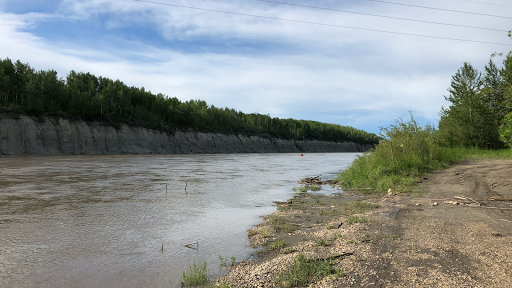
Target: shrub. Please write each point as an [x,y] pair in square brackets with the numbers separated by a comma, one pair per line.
[405,152]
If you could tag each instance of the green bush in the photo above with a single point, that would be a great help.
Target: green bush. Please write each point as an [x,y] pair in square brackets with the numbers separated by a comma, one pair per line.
[405,152]
[506,130]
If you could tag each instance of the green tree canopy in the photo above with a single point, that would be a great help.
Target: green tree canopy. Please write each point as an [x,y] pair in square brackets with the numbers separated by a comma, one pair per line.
[478,106]
[85,96]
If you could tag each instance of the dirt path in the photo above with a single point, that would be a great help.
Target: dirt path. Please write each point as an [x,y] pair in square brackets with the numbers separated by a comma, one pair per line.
[424,239]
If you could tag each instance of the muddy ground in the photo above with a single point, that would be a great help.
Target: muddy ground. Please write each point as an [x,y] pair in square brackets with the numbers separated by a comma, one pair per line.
[448,232]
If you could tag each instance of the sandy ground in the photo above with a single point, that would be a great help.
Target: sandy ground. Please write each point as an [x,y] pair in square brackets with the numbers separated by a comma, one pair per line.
[449,232]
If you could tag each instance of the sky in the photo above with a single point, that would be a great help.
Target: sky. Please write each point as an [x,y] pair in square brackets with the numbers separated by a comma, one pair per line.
[353,77]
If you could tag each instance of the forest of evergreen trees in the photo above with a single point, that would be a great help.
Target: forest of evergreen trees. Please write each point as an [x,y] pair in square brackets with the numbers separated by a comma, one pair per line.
[85,96]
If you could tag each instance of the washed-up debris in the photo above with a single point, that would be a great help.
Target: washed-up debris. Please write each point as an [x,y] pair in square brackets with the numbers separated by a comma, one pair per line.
[313,181]
[193,245]
[282,202]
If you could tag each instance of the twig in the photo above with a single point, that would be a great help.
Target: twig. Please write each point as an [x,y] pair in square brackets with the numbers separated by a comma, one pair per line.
[336,256]
[467,198]
[189,245]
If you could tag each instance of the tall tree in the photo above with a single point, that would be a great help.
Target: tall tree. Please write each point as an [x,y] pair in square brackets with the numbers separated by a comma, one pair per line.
[469,121]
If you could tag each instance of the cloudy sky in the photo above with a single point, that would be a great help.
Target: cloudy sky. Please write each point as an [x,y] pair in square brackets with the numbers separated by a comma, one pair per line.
[360,78]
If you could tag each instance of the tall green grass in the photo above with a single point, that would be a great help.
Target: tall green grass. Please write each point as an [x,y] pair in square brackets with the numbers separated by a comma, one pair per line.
[304,271]
[195,276]
[405,152]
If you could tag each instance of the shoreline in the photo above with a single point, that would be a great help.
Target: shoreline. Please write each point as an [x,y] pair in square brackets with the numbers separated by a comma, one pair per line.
[424,238]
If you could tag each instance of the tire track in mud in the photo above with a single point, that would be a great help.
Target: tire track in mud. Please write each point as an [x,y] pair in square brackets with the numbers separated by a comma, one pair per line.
[447,245]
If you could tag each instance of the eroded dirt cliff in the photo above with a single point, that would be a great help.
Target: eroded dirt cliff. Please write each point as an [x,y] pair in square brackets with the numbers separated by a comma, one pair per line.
[24,135]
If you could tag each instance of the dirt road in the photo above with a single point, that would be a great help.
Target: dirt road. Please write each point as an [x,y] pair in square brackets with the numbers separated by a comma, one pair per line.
[458,242]
[449,233]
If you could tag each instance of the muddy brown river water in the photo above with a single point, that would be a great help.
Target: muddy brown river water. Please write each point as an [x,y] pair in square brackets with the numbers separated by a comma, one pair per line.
[101,221]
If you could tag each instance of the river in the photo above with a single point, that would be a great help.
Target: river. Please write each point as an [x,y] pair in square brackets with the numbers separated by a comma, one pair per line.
[101,221]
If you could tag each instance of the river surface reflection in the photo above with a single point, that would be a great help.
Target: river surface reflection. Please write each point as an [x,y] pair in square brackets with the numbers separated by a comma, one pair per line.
[101,221]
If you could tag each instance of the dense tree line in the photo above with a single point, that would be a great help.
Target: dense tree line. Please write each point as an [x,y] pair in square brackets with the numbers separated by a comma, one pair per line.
[85,96]
[480,114]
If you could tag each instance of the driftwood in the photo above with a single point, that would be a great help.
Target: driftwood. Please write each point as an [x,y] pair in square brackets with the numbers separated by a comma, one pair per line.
[466,201]
[282,202]
[193,245]
[313,181]
[467,198]
[499,198]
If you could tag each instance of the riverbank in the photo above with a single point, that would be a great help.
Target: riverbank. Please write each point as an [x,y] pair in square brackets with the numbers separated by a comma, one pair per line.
[24,135]
[449,232]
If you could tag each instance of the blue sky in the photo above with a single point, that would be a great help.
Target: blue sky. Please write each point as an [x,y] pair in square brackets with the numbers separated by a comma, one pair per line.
[336,75]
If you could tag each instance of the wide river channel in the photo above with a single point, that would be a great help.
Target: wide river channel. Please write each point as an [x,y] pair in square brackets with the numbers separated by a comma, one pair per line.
[101,221]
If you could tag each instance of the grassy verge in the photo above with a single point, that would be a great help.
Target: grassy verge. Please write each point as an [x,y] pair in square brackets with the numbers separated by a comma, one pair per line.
[406,152]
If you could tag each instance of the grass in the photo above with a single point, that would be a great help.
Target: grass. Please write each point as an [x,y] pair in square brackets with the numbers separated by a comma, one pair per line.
[281,224]
[288,250]
[406,152]
[304,271]
[313,187]
[395,236]
[264,233]
[306,188]
[336,236]
[356,219]
[195,276]
[278,244]
[223,261]
[358,206]
[222,285]
[329,212]
[322,242]
[278,220]
[332,226]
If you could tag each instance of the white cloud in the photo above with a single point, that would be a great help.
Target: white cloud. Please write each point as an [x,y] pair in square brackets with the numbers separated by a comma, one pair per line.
[379,76]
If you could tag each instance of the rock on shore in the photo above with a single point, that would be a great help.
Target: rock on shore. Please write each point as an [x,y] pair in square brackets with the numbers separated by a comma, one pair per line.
[24,135]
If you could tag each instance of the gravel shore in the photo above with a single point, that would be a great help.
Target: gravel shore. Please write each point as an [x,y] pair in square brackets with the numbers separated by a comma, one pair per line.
[429,238]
